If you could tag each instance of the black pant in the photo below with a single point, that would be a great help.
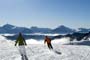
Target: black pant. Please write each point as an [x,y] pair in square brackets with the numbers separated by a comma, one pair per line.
[24,57]
[50,46]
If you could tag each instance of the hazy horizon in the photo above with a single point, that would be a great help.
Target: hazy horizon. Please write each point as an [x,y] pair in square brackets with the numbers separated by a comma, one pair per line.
[42,27]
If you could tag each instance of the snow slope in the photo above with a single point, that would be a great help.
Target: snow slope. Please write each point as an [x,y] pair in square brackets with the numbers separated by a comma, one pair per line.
[40,51]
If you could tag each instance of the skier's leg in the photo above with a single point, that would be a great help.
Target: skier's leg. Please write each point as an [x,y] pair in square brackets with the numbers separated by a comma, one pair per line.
[26,57]
[24,53]
[20,51]
[22,57]
[51,46]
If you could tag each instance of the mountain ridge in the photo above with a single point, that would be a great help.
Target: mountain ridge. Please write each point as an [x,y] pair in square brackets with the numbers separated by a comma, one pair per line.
[8,28]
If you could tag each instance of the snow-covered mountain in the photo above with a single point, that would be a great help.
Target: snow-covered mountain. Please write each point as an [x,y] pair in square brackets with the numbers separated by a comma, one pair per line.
[8,28]
[83,30]
[63,29]
[14,29]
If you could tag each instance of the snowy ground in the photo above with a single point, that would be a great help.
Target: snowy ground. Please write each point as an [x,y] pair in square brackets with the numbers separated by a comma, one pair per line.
[40,51]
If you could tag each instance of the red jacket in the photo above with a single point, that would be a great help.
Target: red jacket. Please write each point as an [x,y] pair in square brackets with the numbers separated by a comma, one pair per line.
[48,40]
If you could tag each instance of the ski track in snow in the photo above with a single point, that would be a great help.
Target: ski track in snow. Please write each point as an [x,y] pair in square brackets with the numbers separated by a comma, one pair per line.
[41,52]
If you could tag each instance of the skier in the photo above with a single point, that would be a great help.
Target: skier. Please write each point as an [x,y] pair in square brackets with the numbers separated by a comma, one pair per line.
[48,40]
[21,43]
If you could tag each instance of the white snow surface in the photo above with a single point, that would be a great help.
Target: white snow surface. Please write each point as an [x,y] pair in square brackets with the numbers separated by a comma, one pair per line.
[41,52]
[8,34]
[60,41]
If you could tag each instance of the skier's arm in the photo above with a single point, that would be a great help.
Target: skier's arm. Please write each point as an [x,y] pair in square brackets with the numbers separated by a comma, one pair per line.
[24,41]
[45,41]
[16,42]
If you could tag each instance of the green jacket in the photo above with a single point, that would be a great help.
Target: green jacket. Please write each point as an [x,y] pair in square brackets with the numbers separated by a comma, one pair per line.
[20,41]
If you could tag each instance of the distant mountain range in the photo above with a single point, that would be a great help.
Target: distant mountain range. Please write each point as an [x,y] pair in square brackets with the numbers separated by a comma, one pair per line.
[83,30]
[63,29]
[8,28]
[13,29]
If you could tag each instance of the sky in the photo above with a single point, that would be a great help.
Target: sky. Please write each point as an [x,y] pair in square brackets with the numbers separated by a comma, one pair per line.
[45,13]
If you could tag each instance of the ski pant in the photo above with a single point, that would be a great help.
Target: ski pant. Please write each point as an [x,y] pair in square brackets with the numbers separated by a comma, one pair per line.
[50,46]
[22,51]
